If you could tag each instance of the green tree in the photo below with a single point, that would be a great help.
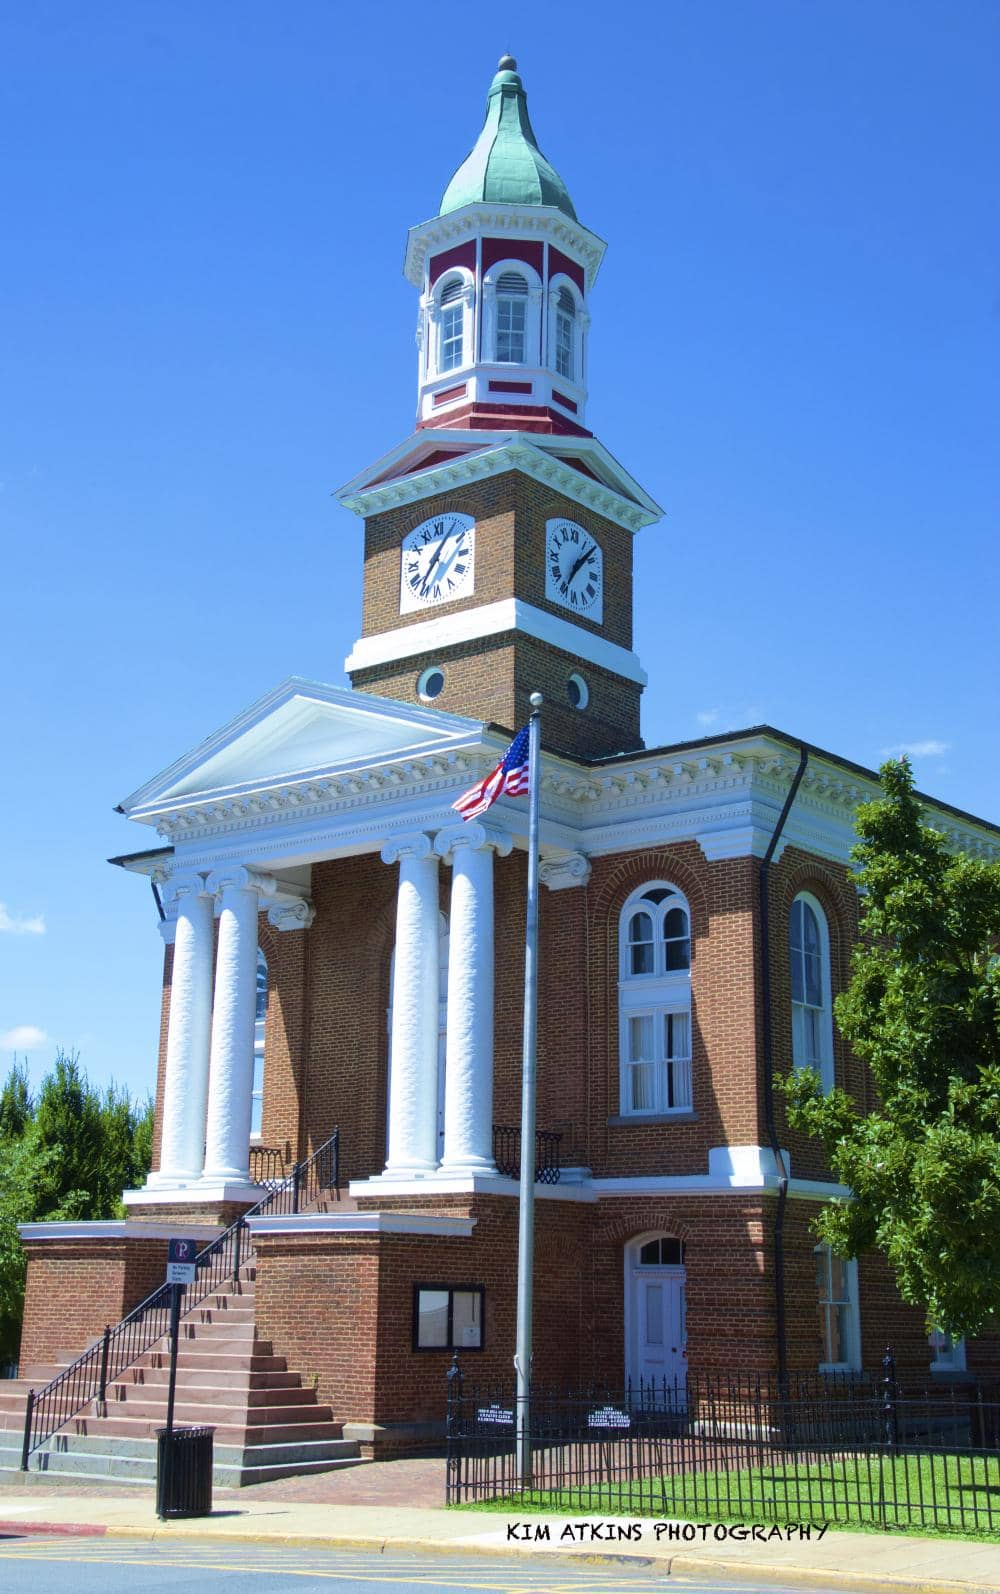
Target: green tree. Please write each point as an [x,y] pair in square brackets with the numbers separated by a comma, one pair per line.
[923,1011]
[16,1106]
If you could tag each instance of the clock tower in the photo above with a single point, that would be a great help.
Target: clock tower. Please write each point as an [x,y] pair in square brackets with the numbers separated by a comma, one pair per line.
[498,536]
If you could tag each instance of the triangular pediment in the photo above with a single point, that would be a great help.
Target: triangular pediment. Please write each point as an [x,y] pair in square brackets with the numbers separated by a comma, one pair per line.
[438,459]
[301,729]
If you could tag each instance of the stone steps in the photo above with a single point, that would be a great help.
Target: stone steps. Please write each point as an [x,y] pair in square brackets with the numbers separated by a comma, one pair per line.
[266,1423]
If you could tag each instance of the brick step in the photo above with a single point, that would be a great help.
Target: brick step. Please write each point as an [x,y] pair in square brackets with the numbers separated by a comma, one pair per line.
[216,1329]
[196,1359]
[243,1313]
[133,1461]
[215,1377]
[221,1409]
[155,1395]
[226,1433]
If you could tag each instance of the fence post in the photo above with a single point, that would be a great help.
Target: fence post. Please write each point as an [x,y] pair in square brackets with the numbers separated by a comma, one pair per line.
[890,1414]
[455,1380]
[102,1386]
[26,1442]
[296,1176]
[236,1254]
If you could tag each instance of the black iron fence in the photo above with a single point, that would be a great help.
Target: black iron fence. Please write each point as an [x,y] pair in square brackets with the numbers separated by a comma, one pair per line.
[269,1165]
[507,1153]
[737,1448]
[218,1264]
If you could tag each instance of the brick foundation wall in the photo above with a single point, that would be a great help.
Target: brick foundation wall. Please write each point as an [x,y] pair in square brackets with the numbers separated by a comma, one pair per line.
[76,1287]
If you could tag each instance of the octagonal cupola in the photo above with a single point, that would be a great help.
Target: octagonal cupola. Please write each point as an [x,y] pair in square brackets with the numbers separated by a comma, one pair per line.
[505,271]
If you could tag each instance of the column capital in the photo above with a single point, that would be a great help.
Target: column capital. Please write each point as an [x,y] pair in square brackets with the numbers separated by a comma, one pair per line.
[183,883]
[561,873]
[297,914]
[415,844]
[237,877]
[474,836]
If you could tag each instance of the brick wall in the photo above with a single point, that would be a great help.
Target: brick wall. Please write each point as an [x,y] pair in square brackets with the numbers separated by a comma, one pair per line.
[77,1287]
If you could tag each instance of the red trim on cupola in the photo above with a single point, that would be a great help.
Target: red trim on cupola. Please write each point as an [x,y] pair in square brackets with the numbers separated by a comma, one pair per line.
[558,262]
[446,394]
[498,417]
[567,403]
[525,249]
[510,387]
[461,255]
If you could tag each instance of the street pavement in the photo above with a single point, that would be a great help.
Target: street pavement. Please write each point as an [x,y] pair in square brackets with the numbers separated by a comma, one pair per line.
[389,1509]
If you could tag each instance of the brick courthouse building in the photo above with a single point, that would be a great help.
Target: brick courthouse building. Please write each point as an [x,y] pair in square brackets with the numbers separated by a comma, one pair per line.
[341,952]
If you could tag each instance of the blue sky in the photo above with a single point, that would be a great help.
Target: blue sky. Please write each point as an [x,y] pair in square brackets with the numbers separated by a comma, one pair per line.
[206,331]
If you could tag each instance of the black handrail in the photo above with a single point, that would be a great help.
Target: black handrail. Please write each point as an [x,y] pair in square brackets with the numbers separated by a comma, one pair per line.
[88,1377]
[507,1153]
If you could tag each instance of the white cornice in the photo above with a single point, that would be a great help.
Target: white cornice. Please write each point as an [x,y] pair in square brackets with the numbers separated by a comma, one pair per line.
[426,1224]
[119,1229]
[491,453]
[492,619]
[537,221]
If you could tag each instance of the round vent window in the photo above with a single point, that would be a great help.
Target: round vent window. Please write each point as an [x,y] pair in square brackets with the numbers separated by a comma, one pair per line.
[430,683]
[577,691]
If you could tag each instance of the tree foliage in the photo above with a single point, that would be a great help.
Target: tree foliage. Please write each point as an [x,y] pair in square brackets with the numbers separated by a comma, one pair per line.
[923,1011]
[68,1153]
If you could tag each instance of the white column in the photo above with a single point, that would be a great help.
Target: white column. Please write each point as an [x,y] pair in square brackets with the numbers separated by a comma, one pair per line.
[185,1086]
[468,1089]
[413,1078]
[227,1150]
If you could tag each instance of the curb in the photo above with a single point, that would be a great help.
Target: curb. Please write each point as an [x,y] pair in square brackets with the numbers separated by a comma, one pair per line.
[684,1562]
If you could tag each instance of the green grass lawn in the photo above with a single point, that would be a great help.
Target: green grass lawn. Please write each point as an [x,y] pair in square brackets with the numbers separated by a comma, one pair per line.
[942,1494]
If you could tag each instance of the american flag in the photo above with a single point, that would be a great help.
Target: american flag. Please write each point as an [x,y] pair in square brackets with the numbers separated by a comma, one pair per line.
[510,776]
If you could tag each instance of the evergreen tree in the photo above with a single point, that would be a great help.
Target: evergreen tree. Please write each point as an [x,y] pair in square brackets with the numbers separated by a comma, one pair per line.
[16,1105]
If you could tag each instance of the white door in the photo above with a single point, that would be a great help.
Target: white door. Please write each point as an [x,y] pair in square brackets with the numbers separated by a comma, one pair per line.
[659,1334]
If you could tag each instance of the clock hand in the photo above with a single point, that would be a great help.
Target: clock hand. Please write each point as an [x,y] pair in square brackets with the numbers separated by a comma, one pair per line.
[439,550]
[583,559]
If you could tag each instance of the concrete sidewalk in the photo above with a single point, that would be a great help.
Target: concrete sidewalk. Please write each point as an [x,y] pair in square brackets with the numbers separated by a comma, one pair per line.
[848,1560]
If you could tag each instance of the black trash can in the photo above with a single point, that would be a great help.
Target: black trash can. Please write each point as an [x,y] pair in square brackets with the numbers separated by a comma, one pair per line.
[184,1472]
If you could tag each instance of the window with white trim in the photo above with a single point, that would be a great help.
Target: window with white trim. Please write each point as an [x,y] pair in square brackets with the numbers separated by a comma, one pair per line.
[451,326]
[809,958]
[654,998]
[947,1354]
[837,1304]
[259,1028]
[565,333]
[512,318]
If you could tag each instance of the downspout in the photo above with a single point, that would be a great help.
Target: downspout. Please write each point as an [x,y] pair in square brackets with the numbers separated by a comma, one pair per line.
[767,1026]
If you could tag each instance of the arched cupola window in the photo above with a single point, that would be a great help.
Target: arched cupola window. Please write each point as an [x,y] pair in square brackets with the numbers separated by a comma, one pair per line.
[450,322]
[654,998]
[512,313]
[812,1016]
[565,334]
[512,318]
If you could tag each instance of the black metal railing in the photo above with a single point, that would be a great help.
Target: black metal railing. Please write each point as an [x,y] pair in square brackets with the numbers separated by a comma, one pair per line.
[738,1448]
[219,1264]
[507,1153]
[269,1164]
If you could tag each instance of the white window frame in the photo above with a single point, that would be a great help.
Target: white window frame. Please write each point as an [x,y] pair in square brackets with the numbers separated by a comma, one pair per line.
[660,993]
[853,1335]
[532,318]
[825,1060]
[946,1357]
[433,313]
[577,382]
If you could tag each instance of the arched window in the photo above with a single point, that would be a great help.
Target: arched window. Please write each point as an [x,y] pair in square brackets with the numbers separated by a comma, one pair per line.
[654,998]
[809,956]
[565,334]
[512,318]
[451,324]
[260,1025]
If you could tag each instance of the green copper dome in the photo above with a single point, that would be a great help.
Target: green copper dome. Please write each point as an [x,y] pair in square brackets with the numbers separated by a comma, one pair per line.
[506,166]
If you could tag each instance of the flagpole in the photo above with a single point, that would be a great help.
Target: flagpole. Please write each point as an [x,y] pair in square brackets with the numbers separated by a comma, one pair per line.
[526,1214]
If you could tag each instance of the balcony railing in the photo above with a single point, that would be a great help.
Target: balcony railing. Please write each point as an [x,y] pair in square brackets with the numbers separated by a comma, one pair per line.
[270,1165]
[507,1153]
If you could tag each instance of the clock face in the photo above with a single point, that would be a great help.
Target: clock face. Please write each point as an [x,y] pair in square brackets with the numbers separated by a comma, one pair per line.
[574,569]
[438,562]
